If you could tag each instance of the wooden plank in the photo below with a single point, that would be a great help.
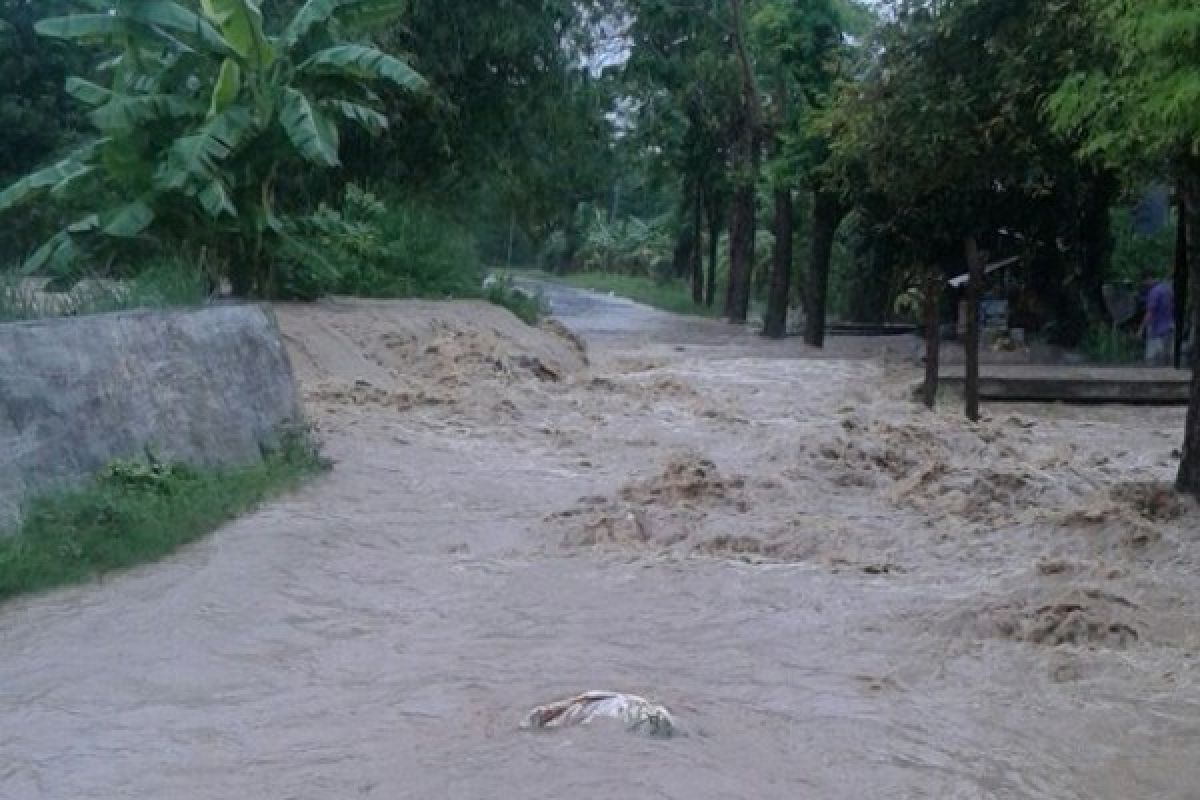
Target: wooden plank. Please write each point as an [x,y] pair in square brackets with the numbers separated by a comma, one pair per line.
[1043,384]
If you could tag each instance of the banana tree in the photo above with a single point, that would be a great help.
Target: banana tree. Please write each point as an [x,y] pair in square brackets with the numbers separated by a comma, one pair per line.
[201,117]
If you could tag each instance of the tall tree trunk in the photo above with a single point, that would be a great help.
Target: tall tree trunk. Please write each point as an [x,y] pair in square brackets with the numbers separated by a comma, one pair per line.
[742,223]
[698,246]
[741,253]
[933,338]
[775,321]
[681,258]
[745,167]
[827,215]
[714,241]
[1181,279]
[1189,469]
[975,267]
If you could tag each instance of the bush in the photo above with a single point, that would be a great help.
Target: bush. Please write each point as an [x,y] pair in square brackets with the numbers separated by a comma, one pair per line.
[632,246]
[529,308]
[1102,345]
[431,253]
[372,249]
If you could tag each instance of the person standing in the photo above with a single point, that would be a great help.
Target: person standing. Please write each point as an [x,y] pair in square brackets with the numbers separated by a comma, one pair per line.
[1159,324]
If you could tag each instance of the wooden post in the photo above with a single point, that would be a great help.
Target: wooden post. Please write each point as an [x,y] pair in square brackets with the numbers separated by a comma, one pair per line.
[933,339]
[975,268]
[1189,466]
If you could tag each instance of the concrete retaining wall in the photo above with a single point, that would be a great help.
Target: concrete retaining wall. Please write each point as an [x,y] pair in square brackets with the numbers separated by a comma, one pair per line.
[204,387]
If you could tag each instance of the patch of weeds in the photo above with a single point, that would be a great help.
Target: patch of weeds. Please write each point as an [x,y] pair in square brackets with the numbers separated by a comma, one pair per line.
[134,512]
[167,282]
[529,308]
[1102,345]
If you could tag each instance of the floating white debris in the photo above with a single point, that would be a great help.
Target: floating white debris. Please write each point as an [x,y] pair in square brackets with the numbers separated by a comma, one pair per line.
[636,713]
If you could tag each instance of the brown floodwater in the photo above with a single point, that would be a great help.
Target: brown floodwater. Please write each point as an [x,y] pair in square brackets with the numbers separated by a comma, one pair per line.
[835,593]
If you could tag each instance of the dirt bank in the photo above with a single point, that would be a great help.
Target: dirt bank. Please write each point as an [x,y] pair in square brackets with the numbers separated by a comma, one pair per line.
[835,593]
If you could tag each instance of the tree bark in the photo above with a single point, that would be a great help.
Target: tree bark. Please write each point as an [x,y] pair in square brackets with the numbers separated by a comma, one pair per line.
[714,241]
[697,253]
[975,267]
[775,321]
[933,339]
[745,167]
[1181,279]
[827,215]
[1189,468]
[681,257]
[741,254]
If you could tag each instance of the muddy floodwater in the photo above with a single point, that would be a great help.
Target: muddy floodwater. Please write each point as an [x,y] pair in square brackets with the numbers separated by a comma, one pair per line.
[836,593]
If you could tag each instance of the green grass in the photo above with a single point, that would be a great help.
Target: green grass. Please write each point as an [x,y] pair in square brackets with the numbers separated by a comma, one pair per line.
[673,296]
[136,512]
[1101,346]
[164,283]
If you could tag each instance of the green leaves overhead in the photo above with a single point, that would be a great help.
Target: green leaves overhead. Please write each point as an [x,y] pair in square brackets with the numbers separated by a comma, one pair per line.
[361,16]
[56,177]
[195,163]
[88,93]
[313,136]
[361,61]
[353,16]
[139,17]
[1144,104]
[170,16]
[370,119]
[129,220]
[125,112]
[96,27]
[225,92]
[241,24]
[311,15]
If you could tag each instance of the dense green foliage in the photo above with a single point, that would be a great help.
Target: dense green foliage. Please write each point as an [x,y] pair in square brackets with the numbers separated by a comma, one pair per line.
[379,249]
[199,127]
[1138,109]
[138,511]
[689,140]
[36,115]
[192,144]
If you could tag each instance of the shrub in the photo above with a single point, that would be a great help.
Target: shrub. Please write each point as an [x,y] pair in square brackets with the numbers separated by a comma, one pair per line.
[529,308]
[372,249]
[1103,345]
